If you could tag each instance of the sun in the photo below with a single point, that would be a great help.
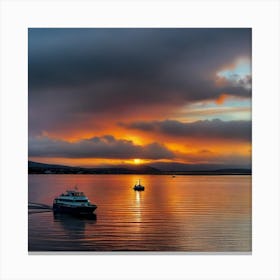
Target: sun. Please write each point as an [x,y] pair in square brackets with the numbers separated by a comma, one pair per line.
[137,161]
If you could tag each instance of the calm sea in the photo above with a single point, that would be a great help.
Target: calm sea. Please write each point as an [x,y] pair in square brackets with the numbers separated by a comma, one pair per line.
[185,213]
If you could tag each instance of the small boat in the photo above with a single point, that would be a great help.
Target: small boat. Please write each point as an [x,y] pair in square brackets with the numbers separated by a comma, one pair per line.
[138,187]
[74,202]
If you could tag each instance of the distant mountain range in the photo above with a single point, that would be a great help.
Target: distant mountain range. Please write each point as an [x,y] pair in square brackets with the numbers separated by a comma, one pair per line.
[177,167]
[155,168]
[39,168]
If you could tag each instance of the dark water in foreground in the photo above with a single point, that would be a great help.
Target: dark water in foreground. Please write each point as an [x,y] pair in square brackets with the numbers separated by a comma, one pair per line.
[185,213]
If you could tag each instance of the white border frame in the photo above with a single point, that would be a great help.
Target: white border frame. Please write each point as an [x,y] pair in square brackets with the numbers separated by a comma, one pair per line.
[262,16]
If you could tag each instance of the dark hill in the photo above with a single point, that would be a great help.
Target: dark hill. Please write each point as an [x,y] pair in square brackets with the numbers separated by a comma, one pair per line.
[173,169]
[42,168]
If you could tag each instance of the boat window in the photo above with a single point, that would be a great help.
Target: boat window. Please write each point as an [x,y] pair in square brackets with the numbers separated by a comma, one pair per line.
[70,200]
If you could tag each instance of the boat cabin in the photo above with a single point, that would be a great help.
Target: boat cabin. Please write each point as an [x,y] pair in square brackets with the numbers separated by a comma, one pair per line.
[72,193]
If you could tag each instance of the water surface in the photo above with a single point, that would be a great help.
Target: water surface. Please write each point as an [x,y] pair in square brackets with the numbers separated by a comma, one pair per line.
[185,213]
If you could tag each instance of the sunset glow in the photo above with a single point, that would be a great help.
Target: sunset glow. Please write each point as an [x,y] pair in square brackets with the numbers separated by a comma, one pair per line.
[137,161]
[112,97]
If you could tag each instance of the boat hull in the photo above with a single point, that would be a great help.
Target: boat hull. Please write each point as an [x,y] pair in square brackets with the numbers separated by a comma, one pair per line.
[80,210]
[136,188]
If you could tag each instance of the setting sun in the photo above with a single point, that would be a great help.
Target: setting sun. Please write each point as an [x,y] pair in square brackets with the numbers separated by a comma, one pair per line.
[137,161]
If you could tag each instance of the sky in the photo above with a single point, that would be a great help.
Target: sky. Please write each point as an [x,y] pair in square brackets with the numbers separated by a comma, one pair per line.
[105,97]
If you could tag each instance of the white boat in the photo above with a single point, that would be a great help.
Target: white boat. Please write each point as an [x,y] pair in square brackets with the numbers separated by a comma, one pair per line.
[138,187]
[74,202]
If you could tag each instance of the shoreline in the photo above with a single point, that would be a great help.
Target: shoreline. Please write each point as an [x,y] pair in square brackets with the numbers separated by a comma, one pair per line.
[191,173]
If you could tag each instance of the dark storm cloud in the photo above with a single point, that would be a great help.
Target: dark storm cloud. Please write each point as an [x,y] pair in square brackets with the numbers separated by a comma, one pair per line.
[76,73]
[73,56]
[97,147]
[208,129]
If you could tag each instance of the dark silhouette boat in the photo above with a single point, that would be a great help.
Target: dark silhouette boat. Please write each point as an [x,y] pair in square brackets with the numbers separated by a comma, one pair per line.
[138,187]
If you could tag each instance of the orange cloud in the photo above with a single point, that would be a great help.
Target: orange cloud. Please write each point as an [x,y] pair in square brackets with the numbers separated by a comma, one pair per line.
[193,151]
[222,98]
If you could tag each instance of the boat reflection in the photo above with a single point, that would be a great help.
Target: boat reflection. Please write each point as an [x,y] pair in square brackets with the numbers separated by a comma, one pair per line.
[71,216]
[74,226]
[138,198]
